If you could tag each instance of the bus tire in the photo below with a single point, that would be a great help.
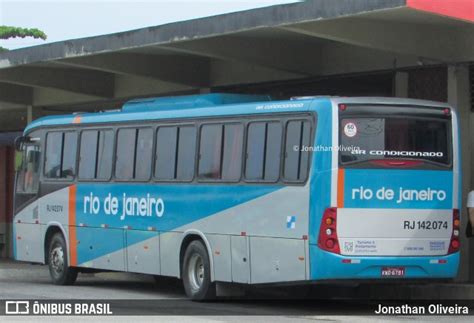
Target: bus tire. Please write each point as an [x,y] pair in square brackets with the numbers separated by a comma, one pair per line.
[197,273]
[60,272]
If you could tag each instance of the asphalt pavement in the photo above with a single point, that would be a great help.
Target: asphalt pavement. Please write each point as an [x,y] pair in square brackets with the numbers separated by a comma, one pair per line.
[165,300]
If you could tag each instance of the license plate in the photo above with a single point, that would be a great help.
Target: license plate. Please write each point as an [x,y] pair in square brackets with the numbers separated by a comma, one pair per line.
[393,271]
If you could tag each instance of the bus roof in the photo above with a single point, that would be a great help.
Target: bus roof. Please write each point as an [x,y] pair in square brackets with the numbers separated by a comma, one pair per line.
[205,105]
[208,105]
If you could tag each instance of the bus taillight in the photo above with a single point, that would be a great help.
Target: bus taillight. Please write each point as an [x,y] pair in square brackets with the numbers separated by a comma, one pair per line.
[454,244]
[327,232]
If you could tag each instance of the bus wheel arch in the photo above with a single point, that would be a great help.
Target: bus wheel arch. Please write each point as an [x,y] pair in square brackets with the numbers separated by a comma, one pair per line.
[196,270]
[190,236]
[57,257]
[50,232]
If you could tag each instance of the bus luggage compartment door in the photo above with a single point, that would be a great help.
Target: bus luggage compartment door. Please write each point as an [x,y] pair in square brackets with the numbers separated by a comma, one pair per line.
[277,260]
[27,236]
[240,259]
[101,248]
[143,252]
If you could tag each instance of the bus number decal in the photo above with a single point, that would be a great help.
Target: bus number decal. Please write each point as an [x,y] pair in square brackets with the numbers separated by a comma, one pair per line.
[425,225]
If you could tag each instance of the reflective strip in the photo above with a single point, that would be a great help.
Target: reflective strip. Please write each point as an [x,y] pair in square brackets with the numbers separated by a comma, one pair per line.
[340,188]
[72,226]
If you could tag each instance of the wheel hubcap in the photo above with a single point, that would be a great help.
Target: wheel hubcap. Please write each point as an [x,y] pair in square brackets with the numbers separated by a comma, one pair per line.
[57,259]
[196,271]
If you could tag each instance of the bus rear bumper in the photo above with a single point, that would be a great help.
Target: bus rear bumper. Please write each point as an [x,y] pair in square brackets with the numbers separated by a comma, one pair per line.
[329,266]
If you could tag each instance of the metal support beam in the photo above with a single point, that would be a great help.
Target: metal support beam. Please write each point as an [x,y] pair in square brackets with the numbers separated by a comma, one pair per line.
[16,94]
[91,83]
[299,58]
[29,114]
[179,69]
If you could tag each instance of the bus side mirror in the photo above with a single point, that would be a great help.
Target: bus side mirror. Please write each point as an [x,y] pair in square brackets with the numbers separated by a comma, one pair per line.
[19,141]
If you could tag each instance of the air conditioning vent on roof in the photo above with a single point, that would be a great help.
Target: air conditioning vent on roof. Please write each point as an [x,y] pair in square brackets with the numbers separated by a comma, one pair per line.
[190,101]
[312,97]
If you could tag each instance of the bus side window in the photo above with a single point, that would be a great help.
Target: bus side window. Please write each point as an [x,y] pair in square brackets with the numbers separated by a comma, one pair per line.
[210,151]
[296,150]
[134,154]
[96,154]
[88,154]
[220,152]
[175,153]
[186,153]
[263,151]
[166,144]
[232,154]
[60,162]
[68,161]
[125,161]
[105,150]
[143,154]
[54,146]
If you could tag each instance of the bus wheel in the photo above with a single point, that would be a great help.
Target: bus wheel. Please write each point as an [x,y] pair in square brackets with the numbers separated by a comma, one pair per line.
[60,272]
[197,273]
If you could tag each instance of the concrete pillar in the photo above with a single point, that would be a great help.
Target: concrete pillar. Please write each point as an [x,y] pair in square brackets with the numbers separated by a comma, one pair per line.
[401,85]
[9,206]
[29,114]
[459,97]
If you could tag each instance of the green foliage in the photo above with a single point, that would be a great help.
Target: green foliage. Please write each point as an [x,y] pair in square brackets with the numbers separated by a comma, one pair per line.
[7,32]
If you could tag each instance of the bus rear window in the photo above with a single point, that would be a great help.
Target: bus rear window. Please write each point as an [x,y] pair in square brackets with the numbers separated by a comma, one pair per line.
[365,139]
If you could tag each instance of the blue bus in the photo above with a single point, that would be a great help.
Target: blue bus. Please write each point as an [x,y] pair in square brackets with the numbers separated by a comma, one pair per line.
[225,188]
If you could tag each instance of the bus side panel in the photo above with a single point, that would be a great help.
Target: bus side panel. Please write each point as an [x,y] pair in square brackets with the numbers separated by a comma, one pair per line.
[170,243]
[105,248]
[277,260]
[221,254]
[169,209]
[55,211]
[27,236]
[47,211]
[143,252]
[240,259]
[28,248]
[276,225]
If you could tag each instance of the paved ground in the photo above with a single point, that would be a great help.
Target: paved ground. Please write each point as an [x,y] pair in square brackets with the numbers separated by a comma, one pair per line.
[25,281]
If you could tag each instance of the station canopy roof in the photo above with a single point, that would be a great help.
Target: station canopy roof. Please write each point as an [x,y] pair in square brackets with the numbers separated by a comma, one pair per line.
[317,38]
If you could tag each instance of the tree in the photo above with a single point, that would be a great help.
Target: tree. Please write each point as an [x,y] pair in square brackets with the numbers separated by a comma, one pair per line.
[7,32]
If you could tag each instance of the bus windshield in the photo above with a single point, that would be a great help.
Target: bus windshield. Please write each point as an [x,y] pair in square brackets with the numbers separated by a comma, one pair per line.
[367,139]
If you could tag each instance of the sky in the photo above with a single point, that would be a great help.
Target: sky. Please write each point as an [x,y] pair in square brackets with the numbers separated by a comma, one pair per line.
[69,19]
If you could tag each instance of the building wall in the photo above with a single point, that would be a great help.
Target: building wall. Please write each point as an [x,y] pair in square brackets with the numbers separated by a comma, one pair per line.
[428,83]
